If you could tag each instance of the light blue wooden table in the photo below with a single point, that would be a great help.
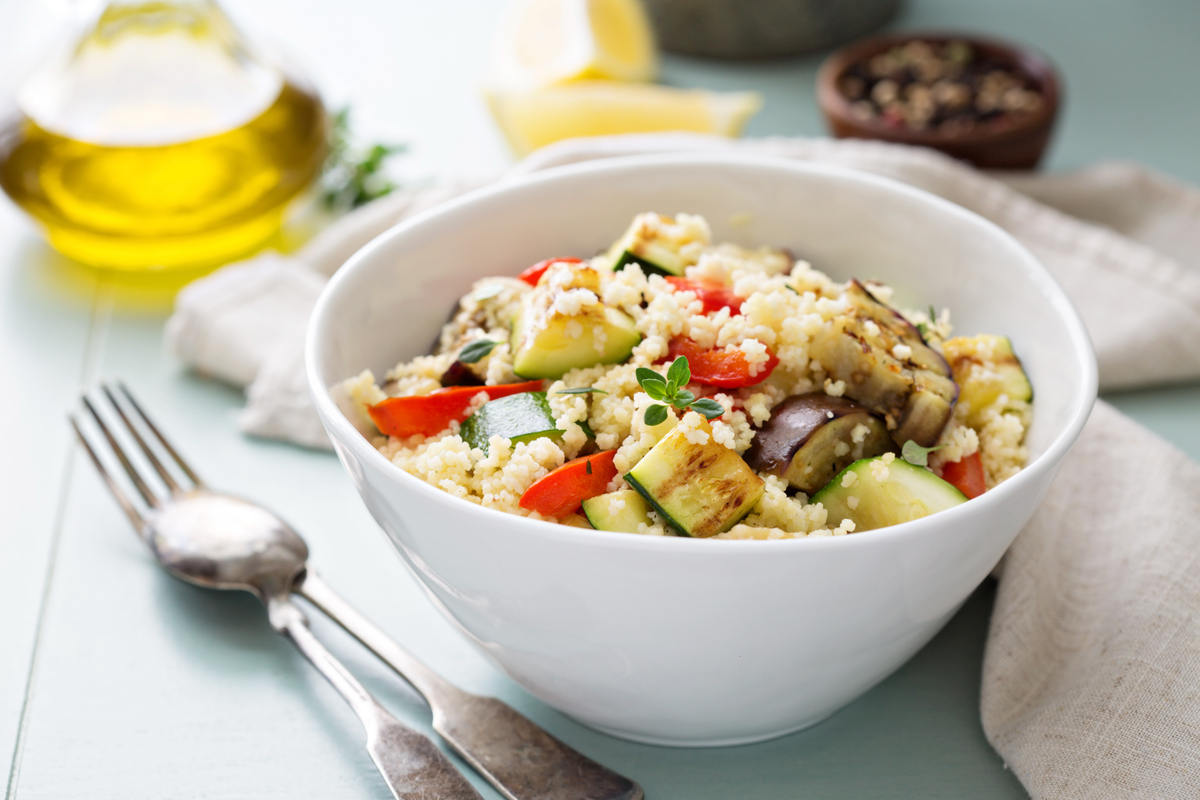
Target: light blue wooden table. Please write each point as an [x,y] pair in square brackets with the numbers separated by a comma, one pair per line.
[118,682]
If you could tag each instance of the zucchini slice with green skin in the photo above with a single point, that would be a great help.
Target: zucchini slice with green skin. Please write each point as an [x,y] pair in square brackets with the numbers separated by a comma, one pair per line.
[622,511]
[986,368]
[517,417]
[700,489]
[882,494]
[562,325]
[558,344]
[638,245]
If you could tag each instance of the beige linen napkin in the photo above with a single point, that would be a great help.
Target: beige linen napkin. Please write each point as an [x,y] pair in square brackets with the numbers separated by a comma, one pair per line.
[1091,678]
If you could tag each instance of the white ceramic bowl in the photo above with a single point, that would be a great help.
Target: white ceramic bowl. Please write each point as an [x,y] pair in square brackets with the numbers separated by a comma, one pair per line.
[691,641]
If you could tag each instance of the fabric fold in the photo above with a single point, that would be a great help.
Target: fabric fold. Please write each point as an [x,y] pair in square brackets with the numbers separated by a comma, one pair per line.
[1091,674]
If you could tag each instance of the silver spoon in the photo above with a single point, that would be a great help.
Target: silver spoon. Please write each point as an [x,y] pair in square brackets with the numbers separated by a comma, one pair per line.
[220,541]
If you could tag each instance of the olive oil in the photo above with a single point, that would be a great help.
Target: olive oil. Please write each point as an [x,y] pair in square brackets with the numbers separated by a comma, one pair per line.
[158,140]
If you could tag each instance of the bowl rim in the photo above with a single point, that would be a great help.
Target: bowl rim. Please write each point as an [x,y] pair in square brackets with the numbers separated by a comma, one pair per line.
[339,428]
[1028,60]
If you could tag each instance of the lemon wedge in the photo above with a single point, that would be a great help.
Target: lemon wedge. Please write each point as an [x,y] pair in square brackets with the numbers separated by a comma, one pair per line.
[548,42]
[532,119]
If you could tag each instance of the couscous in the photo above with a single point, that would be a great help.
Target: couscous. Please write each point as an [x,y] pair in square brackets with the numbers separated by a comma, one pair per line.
[672,386]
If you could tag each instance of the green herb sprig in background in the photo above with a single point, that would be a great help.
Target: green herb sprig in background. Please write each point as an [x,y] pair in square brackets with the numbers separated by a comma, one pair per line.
[352,175]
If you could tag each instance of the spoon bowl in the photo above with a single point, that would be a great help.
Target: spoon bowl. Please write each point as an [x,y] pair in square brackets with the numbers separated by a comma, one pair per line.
[219,541]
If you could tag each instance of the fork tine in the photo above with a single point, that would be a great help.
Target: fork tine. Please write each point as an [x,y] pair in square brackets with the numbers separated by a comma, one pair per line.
[166,476]
[183,465]
[130,470]
[122,500]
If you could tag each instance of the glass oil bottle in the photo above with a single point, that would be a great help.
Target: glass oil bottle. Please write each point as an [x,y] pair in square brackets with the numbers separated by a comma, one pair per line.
[157,139]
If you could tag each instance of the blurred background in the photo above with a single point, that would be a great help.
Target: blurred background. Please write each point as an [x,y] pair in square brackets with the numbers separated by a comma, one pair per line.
[423,74]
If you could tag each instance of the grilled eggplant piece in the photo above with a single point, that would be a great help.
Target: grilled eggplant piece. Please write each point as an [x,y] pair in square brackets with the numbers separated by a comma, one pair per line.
[809,439]
[461,374]
[888,368]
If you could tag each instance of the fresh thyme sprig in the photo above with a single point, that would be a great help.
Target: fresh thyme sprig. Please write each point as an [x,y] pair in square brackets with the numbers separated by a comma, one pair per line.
[670,389]
[354,176]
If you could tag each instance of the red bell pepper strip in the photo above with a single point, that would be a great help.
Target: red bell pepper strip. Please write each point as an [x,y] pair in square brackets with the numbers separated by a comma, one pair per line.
[966,475]
[720,367]
[432,413]
[713,295]
[534,274]
[561,491]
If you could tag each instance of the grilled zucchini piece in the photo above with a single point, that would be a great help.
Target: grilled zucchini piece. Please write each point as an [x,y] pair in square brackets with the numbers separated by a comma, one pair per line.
[986,369]
[562,325]
[810,438]
[883,494]
[651,241]
[517,417]
[622,510]
[888,368]
[700,489]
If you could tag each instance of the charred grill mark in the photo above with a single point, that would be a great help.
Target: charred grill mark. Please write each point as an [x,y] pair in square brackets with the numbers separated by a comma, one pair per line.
[961,362]
[698,460]
[862,355]
[732,494]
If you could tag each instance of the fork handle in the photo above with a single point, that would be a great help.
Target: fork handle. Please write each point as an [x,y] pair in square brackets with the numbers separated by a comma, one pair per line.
[433,687]
[411,765]
[518,757]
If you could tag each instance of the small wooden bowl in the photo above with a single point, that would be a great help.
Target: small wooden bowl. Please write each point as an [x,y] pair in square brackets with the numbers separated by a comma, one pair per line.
[1019,146]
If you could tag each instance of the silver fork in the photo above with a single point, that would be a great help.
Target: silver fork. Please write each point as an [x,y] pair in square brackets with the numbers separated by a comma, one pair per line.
[221,541]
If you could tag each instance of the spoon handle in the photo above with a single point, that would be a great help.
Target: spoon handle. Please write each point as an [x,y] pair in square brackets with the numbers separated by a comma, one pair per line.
[411,765]
[518,757]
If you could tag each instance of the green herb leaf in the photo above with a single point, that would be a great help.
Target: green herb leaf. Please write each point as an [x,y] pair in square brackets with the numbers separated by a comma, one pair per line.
[679,373]
[476,350]
[932,315]
[656,415]
[656,388]
[588,465]
[923,329]
[917,455]
[683,399]
[581,390]
[587,429]
[653,383]
[646,374]
[667,390]
[710,408]
[791,288]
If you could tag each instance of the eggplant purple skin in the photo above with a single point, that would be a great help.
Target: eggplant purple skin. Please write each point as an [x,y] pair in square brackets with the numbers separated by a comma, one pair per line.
[459,374]
[791,424]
